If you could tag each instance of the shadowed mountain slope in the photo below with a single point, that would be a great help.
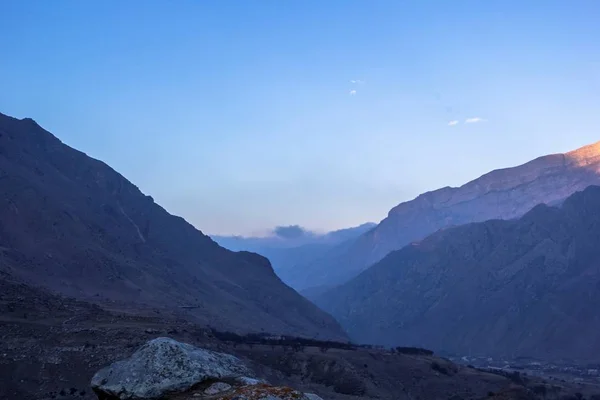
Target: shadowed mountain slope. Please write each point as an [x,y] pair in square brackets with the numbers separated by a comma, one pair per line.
[72,224]
[521,287]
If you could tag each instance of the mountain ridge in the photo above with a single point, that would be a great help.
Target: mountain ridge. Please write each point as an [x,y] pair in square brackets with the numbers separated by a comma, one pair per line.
[72,224]
[580,157]
[503,193]
[517,287]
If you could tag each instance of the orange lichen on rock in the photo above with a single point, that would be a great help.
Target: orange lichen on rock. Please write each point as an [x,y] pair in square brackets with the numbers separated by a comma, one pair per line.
[263,391]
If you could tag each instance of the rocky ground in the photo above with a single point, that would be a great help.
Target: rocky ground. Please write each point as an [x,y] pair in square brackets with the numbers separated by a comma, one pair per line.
[50,347]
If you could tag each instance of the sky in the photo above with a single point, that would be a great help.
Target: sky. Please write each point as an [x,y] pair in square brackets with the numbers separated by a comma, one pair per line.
[245,115]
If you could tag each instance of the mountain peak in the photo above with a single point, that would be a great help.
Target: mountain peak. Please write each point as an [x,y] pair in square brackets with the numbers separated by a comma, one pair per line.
[585,155]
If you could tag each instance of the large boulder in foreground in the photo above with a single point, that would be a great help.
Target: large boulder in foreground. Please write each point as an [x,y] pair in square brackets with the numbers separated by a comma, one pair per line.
[161,366]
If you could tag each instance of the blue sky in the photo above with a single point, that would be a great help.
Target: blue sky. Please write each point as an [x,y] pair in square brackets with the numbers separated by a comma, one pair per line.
[239,116]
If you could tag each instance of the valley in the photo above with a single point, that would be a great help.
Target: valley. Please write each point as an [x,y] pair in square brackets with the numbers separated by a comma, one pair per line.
[500,194]
[67,311]
[299,200]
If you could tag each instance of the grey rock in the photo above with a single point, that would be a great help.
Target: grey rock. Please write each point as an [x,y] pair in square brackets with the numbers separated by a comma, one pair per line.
[246,381]
[217,387]
[164,365]
[312,396]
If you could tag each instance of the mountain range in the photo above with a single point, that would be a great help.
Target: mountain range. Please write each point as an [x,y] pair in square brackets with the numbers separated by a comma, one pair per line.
[71,224]
[292,246]
[501,194]
[518,283]
[520,287]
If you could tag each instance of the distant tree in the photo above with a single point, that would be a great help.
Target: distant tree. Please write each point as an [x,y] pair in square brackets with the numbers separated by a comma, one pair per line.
[414,351]
[297,347]
[516,378]
[540,390]
[439,368]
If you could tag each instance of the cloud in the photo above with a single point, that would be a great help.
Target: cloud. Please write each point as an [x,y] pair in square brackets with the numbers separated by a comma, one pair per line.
[474,120]
[291,232]
[452,123]
[352,92]
[357,81]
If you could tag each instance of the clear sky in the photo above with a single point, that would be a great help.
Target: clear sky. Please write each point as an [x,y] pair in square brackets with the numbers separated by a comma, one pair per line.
[242,115]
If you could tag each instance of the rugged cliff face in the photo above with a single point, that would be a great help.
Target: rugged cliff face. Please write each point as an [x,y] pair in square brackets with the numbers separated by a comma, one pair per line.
[525,287]
[74,225]
[501,194]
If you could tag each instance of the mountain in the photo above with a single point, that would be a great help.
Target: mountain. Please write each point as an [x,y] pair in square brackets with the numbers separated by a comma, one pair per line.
[524,287]
[504,194]
[73,225]
[293,236]
[288,251]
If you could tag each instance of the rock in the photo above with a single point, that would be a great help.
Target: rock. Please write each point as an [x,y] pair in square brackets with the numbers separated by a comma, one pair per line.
[217,387]
[245,381]
[312,396]
[164,365]
[266,392]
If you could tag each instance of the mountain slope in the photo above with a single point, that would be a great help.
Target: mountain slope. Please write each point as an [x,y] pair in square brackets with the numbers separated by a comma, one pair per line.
[521,287]
[72,224]
[504,194]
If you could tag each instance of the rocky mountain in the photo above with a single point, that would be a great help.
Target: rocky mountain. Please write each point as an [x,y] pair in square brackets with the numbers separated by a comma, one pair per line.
[501,194]
[522,287]
[72,224]
[285,252]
